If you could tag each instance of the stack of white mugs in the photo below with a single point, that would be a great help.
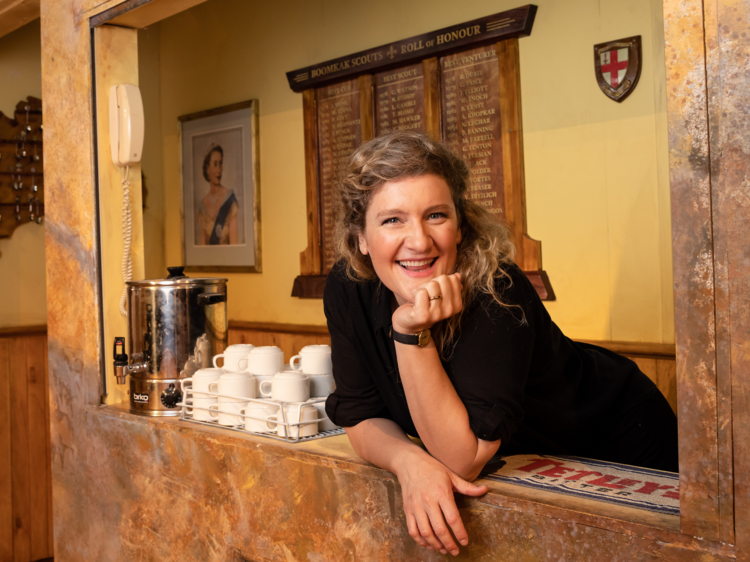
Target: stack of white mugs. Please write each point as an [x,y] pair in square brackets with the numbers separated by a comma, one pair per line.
[254,384]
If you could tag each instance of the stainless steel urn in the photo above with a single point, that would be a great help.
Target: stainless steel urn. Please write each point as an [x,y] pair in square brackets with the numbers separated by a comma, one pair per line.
[177,325]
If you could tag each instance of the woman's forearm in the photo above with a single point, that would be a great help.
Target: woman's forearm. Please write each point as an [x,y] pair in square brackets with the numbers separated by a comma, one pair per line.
[438,413]
[383,443]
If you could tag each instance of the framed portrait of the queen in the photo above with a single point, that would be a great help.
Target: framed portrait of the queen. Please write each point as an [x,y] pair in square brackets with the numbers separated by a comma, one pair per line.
[220,189]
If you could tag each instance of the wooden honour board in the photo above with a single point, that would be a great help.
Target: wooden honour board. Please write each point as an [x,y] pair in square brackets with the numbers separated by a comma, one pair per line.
[468,97]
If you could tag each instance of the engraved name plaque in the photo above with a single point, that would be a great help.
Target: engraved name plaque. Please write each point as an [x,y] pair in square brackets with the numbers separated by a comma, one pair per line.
[339,133]
[460,83]
[471,118]
[399,100]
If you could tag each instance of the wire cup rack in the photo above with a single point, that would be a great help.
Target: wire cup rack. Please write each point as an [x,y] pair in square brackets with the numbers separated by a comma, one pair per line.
[292,432]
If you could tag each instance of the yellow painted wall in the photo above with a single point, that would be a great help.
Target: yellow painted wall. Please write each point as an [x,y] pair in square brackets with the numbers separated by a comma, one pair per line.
[23,296]
[596,171]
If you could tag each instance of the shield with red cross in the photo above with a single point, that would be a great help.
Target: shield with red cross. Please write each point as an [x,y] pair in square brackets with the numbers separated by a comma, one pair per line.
[618,66]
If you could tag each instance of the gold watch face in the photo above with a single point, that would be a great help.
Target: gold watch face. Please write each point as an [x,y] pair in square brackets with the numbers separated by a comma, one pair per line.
[424,338]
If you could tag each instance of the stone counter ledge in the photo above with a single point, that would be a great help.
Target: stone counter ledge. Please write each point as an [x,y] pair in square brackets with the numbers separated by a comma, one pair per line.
[210,493]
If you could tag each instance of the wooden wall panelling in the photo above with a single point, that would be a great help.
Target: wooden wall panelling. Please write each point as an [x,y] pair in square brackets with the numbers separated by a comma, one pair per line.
[657,361]
[528,251]
[366,107]
[6,488]
[310,260]
[19,437]
[25,457]
[430,71]
[39,446]
[693,263]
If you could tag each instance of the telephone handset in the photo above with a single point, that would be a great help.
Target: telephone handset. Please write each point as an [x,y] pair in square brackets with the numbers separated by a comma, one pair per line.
[126,127]
[126,130]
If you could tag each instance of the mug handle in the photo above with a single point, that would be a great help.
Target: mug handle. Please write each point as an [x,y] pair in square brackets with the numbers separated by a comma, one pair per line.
[188,409]
[211,409]
[182,385]
[262,392]
[239,363]
[291,362]
[268,423]
[215,386]
[215,358]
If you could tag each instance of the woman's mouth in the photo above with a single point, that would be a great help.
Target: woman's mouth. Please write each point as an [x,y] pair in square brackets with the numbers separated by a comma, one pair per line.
[417,265]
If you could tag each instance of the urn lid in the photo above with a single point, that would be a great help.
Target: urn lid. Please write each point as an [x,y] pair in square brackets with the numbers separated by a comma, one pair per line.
[177,278]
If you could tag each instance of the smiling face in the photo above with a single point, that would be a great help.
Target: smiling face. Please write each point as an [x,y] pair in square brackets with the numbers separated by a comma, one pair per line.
[214,168]
[411,233]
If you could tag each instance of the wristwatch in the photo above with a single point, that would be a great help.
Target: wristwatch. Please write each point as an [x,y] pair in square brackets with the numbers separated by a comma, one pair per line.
[420,339]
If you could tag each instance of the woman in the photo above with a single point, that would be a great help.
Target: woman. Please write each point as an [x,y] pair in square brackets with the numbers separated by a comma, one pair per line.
[436,333]
[217,215]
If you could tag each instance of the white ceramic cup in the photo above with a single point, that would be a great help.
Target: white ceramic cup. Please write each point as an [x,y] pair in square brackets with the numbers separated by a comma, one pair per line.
[235,357]
[321,385]
[227,413]
[288,386]
[295,413]
[255,416]
[201,379]
[323,424]
[237,385]
[259,379]
[313,360]
[199,408]
[265,360]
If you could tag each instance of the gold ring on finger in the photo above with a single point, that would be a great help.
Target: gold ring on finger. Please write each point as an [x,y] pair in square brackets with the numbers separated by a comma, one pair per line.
[436,297]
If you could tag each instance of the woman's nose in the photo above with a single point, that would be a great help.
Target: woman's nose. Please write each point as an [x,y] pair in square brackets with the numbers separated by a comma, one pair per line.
[419,238]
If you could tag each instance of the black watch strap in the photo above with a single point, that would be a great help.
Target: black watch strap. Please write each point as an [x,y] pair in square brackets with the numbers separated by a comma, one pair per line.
[421,339]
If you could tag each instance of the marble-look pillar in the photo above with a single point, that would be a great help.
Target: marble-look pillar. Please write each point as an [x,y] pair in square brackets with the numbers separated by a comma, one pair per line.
[71,249]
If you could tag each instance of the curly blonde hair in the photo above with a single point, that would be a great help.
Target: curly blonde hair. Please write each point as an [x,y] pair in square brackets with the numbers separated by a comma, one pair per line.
[485,242]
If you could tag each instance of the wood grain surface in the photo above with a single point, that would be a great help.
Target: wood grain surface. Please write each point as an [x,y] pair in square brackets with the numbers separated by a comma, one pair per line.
[25,463]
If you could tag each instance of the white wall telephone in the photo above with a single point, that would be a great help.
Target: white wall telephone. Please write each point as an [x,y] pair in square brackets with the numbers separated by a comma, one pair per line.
[126,131]
[126,126]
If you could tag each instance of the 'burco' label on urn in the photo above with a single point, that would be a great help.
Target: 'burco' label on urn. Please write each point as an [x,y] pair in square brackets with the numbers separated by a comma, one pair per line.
[471,121]
[140,398]
[339,134]
[399,100]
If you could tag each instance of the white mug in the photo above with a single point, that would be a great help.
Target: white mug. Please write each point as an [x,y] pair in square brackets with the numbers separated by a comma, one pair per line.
[235,357]
[265,360]
[200,381]
[258,380]
[255,416]
[321,385]
[289,386]
[323,424]
[226,413]
[237,385]
[295,413]
[313,360]
[199,408]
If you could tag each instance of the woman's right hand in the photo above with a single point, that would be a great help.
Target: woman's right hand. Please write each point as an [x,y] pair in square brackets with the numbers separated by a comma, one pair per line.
[427,488]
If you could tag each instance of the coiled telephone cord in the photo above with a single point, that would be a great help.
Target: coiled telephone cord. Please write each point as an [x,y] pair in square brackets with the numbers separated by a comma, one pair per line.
[127,234]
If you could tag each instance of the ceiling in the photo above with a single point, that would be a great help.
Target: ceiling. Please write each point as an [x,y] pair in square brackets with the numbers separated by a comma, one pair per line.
[17,13]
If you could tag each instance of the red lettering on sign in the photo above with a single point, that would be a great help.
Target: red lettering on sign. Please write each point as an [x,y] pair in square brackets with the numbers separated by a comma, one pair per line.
[607,481]
[674,495]
[556,471]
[650,487]
[539,463]
[582,474]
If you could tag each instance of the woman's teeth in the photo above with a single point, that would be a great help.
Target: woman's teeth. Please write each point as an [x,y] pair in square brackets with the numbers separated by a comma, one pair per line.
[417,265]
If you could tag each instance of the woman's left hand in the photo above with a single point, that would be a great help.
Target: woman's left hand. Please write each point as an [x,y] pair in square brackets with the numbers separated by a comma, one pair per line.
[425,310]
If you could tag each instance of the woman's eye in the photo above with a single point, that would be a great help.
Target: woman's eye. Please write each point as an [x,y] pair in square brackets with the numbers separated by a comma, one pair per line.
[392,220]
[438,215]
